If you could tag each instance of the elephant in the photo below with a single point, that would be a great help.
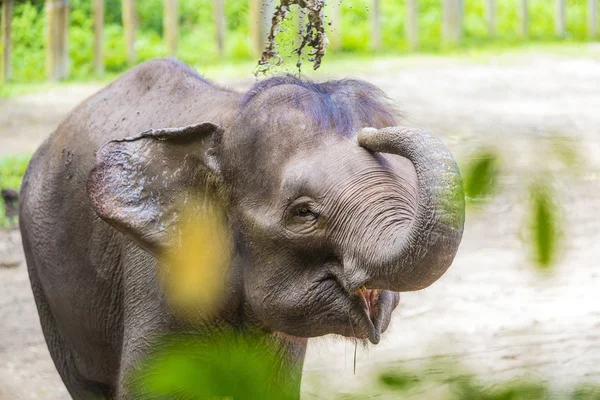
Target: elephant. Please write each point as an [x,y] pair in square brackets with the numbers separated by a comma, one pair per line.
[333,209]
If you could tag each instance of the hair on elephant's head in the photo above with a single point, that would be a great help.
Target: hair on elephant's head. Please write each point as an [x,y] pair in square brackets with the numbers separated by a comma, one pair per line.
[336,208]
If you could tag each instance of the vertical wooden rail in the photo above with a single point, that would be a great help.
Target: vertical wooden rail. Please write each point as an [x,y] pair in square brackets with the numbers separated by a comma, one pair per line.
[171,26]
[219,16]
[128,11]
[592,18]
[268,9]
[6,24]
[561,18]
[335,31]
[376,26]
[261,15]
[452,23]
[524,13]
[491,17]
[57,60]
[254,27]
[412,23]
[98,10]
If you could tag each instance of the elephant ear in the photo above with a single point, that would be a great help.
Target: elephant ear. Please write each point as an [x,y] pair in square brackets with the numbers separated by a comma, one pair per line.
[139,184]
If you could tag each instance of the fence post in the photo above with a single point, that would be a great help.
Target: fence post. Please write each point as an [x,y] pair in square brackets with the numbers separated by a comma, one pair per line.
[335,17]
[592,18]
[412,23]
[561,25]
[376,26]
[98,11]
[171,26]
[57,60]
[128,11]
[261,15]
[219,16]
[6,23]
[524,12]
[491,17]
[268,9]
[452,24]
[254,22]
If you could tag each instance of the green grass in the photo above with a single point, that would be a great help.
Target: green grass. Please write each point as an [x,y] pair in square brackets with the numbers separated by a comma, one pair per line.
[336,64]
[17,88]
[12,169]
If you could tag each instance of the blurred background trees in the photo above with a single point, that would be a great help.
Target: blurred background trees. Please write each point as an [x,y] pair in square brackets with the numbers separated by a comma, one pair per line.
[357,27]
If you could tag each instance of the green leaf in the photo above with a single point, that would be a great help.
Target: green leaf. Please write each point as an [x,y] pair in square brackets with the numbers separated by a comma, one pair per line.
[481,175]
[544,225]
[214,365]
[397,380]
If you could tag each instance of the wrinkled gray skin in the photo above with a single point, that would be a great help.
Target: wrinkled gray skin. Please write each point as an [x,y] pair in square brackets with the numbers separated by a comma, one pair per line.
[317,209]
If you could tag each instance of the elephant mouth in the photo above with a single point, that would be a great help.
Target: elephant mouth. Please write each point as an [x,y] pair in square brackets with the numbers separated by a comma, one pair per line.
[369,298]
[373,314]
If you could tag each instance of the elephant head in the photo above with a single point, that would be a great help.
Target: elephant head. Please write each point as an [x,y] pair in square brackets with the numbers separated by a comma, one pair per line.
[334,209]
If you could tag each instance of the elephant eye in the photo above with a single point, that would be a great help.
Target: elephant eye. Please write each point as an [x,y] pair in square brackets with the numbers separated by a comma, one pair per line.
[303,217]
[304,212]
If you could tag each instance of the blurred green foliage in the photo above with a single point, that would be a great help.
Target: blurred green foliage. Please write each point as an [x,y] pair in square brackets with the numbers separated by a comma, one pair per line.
[198,47]
[450,382]
[219,365]
[28,42]
[246,367]
[467,389]
[586,392]
[398,381]
[12,169]
[481,175]
[544,224]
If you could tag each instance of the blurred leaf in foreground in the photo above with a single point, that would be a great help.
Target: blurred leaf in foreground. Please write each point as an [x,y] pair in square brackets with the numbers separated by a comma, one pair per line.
[544,225]
[566,150]
[586,392]
[397,380]
[196,265]
[215,365]
[449,383]
[481,175]
[519,391]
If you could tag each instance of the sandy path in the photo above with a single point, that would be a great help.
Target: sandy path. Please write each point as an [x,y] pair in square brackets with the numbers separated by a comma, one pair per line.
[492,311]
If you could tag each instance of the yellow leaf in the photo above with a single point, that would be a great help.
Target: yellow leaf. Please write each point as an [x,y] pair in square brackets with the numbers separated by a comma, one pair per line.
[196,264]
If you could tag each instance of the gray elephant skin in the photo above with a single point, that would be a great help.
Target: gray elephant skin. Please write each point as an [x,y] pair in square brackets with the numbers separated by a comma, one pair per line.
[332,209]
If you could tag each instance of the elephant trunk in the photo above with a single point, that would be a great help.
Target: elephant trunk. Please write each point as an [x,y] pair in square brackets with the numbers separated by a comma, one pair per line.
[428,246]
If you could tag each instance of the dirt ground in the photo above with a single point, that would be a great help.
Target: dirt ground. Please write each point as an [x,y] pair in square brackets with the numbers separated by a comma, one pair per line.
[492,312]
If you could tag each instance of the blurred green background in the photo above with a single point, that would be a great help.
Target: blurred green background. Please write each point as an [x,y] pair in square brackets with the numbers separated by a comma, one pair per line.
[197,44]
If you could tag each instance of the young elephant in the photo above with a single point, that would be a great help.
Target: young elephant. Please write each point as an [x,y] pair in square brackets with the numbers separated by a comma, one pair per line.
[332,210]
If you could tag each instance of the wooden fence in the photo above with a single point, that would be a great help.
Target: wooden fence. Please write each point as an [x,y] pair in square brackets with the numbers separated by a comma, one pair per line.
[260,11]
